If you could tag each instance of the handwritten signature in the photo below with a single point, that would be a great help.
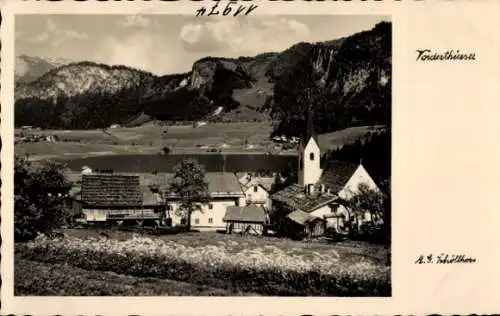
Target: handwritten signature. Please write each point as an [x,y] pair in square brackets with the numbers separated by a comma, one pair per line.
[444,258]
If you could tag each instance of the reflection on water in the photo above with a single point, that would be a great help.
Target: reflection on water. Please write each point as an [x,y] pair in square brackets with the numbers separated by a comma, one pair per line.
[165,163]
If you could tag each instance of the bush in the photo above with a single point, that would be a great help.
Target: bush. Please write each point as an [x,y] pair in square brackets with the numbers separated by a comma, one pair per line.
[39,194]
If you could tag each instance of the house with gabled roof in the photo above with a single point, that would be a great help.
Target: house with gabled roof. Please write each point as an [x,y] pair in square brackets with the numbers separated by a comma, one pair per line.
[256,189]
[315,202]
[117,197]
[224,191]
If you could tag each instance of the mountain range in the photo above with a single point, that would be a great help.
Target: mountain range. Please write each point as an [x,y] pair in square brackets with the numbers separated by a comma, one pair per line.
[28,68]
[345,81]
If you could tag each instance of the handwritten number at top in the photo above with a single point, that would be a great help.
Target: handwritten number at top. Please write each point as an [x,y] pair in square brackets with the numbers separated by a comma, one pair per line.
[229,9]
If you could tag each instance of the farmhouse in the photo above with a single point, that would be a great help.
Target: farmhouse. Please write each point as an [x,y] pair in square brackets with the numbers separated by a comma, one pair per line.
[140,197]
[315,204]
[117,197]
[224,191]
[250,219]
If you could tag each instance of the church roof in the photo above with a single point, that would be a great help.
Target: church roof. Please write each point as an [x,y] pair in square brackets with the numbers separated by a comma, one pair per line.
[295,197]
[336,175]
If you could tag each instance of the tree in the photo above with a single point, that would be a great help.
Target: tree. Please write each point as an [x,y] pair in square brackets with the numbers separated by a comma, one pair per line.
[39,194]
[376,203]
[277,184]
[189,185]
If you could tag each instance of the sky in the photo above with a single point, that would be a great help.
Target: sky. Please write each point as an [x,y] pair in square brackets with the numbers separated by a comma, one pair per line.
[166,44]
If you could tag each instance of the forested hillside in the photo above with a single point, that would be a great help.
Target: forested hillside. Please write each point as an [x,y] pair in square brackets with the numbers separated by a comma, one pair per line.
[346,81]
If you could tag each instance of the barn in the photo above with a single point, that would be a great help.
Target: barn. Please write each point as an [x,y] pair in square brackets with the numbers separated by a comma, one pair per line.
[115,197]
[250,219]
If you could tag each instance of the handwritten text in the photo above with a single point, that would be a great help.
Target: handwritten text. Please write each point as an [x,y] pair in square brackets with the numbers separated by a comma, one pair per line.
[227,10]
[444,258]
[428,55]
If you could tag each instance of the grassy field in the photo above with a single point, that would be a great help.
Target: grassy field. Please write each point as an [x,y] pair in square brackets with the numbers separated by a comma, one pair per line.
[198,264]
[47,279]
[150,139]
[350,251]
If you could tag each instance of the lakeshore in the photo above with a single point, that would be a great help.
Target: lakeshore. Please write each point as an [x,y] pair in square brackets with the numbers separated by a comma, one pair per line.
[252,138]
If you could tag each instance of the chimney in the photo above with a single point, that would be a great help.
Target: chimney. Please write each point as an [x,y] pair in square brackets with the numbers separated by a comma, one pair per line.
[311,188]
[322,188]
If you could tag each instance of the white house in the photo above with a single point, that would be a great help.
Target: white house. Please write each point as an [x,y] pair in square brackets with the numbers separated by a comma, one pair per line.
[256,189]
[257,194]
[224,191]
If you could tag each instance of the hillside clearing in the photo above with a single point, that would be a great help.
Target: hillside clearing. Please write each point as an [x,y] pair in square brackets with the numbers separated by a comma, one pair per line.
[150,139]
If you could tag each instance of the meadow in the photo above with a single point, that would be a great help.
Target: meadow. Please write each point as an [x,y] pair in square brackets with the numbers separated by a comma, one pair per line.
[232,138]
[198,264]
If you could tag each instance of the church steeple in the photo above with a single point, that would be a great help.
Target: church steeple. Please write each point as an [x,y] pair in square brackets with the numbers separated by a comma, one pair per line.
[309,122]
[309,132]
[309,153]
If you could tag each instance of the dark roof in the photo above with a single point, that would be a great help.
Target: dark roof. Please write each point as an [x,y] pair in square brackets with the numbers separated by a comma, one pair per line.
[223,183]
[111,190]
[219,183]
[336,175]
[302,218]
[295,197]
[249,214]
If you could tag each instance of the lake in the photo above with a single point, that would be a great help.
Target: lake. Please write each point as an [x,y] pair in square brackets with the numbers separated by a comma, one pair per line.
[165,163]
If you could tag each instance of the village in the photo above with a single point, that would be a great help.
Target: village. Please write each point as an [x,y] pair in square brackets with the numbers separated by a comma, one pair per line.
[241,202]
[317,230]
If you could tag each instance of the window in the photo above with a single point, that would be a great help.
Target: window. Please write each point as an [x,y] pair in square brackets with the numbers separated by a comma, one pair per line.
[311,156]
[237,202]
[210,206]
[210,220]
[169,207]
[255,188]
[197,221]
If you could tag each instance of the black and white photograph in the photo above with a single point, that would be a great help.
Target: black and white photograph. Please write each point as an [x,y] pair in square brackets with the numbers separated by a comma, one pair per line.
[174,155]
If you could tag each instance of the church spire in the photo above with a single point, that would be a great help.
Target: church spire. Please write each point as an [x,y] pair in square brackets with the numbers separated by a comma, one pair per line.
[309,152]
[309,132]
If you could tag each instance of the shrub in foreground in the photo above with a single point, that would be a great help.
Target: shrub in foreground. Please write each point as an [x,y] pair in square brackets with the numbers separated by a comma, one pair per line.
[39,192]
[273,272]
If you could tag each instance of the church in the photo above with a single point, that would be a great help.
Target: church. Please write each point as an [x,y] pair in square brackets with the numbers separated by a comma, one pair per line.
[314,205]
